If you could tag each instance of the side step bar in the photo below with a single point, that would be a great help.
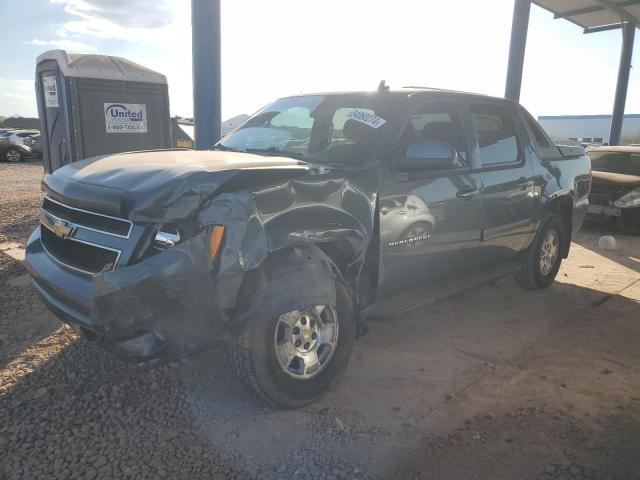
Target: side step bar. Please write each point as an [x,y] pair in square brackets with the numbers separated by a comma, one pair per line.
[422,296]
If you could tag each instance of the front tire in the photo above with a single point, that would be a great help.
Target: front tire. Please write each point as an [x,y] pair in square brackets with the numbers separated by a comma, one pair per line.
[542,259]
[13,155]
[291,356]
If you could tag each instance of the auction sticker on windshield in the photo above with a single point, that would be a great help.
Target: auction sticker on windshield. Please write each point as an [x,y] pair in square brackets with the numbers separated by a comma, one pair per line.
[367,118]
[125,117]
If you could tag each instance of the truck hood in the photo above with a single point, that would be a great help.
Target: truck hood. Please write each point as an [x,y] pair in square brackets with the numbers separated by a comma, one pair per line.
[159,185]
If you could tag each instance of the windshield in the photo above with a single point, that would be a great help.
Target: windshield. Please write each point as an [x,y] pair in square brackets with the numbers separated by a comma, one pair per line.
[334,129]
[616,162]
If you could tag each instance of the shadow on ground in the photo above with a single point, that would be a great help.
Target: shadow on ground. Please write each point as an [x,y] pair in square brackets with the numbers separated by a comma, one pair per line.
[492,383]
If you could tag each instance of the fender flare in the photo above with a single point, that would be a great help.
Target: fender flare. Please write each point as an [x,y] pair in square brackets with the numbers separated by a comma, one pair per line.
[294,277]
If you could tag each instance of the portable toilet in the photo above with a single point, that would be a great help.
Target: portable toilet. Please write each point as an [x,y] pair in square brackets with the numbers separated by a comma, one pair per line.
[97,104]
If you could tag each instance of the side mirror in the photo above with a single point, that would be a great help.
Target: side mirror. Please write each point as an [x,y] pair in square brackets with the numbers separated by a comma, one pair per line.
[427,155]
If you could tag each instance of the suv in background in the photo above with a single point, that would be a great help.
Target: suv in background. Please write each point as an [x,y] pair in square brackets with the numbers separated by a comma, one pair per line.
[17,137]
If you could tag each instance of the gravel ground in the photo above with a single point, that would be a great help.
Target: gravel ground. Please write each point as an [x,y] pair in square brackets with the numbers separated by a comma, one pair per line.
[494,383]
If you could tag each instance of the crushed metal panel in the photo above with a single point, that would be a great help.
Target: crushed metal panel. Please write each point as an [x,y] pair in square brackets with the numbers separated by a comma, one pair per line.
[171,294]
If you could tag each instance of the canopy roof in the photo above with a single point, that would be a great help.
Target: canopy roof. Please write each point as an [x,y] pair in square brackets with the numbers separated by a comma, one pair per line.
[594,14]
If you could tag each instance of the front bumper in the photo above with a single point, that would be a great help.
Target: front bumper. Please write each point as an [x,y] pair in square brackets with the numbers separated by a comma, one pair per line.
[626,218]
[162,306]
[604,211]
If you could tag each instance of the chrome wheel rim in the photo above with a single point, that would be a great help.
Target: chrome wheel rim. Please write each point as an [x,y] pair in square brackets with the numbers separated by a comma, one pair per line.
[305,341]
[549,252]
[417,231]
[13,156]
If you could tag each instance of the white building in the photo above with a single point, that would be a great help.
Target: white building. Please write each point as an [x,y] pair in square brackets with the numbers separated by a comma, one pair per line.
[587,128]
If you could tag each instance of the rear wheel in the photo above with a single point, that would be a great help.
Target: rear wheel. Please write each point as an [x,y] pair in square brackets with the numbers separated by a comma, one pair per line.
[542,259]
[417,230]
[290,357]
[13,155]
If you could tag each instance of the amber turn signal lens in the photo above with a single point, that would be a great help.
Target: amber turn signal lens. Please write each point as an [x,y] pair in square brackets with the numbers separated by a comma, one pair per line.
[215,240]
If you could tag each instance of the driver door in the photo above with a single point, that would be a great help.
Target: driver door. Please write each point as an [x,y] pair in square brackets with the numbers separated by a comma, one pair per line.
[430,217]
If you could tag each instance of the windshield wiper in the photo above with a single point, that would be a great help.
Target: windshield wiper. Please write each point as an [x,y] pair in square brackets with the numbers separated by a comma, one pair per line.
[224,148]
[275,152]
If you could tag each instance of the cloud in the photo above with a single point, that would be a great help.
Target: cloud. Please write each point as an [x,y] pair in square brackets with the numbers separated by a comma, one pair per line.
[124,13]
[64,44]
[17,96]
[148,21]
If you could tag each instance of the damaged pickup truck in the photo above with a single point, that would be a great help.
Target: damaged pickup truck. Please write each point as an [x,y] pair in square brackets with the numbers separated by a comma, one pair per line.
[318,211]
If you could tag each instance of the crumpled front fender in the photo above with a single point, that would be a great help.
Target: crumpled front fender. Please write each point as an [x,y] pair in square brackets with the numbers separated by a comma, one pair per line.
[170,296]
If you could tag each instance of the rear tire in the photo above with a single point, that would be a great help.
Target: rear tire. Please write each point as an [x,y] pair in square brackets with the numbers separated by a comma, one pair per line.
[257,355]
[542,259]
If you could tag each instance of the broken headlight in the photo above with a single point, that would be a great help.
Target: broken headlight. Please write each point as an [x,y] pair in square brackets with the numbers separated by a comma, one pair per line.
[631,199]
[166,237]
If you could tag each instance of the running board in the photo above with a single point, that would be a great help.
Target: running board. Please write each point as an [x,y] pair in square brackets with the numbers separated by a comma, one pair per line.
[420,297]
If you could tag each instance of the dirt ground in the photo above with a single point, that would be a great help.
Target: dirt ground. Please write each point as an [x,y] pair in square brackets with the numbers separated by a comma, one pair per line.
[493,383]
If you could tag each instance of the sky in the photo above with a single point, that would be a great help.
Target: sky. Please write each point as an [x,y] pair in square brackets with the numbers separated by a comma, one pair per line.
[281,47]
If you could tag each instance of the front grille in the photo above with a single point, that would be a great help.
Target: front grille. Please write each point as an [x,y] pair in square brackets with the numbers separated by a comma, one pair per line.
[95,221]
[78,255]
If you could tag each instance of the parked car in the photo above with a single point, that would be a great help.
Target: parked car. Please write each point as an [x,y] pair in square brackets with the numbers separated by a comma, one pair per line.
[18,136]
[615,191]
[34,142]
[274,240]
[11,152]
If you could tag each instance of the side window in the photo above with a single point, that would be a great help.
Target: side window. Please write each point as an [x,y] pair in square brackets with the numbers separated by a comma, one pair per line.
[543,145]
[495,133]
[439,121]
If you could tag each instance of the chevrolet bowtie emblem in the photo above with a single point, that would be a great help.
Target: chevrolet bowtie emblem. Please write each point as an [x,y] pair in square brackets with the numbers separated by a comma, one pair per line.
[61,228]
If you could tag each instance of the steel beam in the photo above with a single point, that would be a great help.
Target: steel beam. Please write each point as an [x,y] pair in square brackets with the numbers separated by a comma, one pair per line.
[628,34]
[615,7]
[600,8]
[603,28]
[519,28]
[205,38]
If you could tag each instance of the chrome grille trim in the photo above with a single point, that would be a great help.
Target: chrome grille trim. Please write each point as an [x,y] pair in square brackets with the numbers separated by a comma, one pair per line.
[71,267]
[48,198]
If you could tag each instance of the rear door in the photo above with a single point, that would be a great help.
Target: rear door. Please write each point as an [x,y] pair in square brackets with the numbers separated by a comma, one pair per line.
[430,220]
[508,202]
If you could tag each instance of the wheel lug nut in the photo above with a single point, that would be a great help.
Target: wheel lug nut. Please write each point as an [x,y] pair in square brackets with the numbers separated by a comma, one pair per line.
[306,346]
[298,343]
[314,335]
[303,320]
[312,323]
[296,330]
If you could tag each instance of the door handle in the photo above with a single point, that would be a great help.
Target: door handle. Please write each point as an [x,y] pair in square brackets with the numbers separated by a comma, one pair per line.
[467,192]
[523,183]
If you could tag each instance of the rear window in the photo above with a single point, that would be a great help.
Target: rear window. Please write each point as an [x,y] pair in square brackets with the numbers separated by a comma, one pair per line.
[495,133]
[615,162]
[542,143]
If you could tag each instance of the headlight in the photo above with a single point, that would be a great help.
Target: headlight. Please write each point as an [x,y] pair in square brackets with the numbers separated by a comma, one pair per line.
[166,238]
[215,240]
[631,199]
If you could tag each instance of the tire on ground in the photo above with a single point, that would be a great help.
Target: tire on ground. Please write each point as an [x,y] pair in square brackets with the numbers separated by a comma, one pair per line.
[252,346]
[530,275]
